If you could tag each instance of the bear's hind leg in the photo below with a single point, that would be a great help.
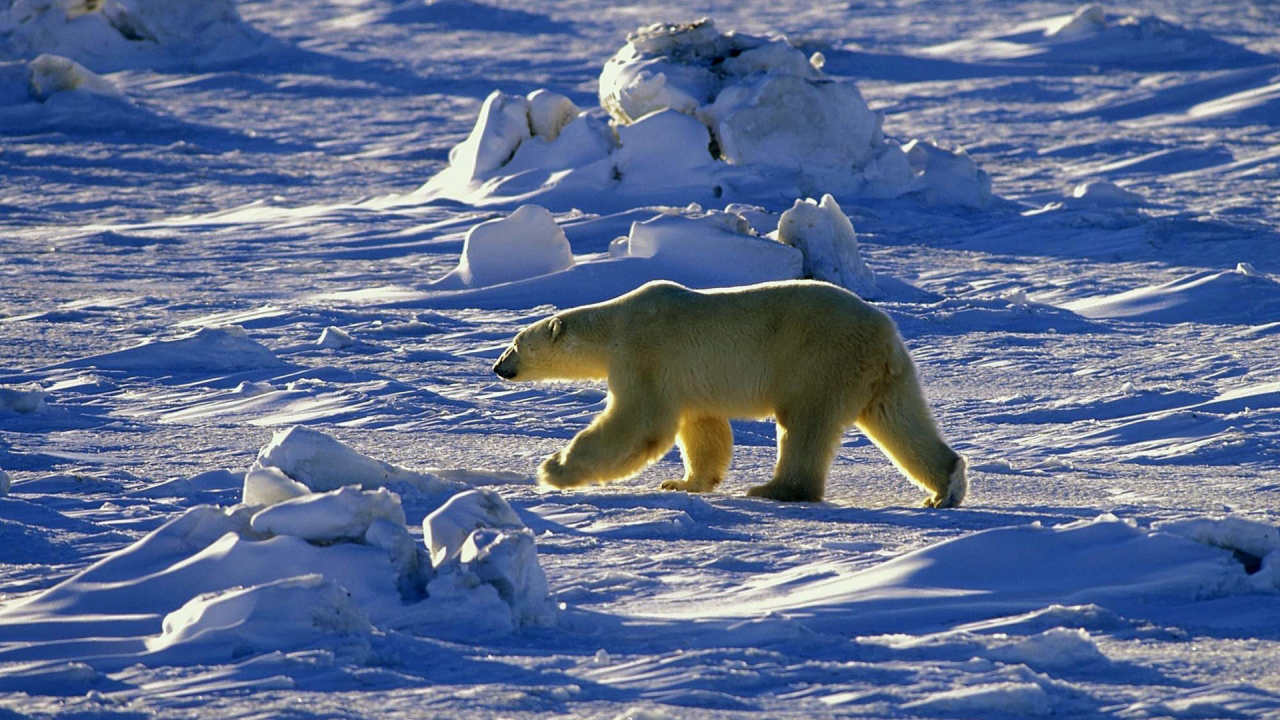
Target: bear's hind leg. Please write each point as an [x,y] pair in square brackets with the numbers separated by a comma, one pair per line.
[621,440]
[805,451]
[706,444]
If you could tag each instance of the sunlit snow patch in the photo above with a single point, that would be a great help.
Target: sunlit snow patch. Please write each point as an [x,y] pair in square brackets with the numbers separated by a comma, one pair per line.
[115,34]
[696,115]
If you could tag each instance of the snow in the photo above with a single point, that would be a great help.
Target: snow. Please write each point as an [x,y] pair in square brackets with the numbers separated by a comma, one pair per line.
[446,530]
[254,461]
[115,34]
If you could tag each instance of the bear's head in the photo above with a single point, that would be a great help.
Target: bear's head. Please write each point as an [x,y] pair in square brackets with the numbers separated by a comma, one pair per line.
[546,350]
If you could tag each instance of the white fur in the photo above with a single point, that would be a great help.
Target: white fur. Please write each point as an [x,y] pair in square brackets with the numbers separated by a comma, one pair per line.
[680,363]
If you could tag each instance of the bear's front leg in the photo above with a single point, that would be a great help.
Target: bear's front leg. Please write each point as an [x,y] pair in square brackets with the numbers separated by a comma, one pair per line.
[623,439]
[552,473]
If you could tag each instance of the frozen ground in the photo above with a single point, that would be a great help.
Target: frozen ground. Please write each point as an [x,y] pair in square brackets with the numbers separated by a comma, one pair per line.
[212,229]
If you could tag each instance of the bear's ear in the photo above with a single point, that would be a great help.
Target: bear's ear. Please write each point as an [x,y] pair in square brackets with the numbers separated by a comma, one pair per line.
[557,328]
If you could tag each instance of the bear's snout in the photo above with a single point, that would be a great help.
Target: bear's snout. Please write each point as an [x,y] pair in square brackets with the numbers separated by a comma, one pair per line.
[506,365]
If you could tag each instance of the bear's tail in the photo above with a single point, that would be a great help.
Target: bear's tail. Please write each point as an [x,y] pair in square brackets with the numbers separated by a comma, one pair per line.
[898,421]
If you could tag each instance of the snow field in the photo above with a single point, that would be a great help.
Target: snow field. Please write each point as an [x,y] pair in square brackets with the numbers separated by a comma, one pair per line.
[219,264]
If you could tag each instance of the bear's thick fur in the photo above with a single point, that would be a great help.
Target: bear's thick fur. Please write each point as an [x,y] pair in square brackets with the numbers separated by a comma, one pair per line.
[680,363]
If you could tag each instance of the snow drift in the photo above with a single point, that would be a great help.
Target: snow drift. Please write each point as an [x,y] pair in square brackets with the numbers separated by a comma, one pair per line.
[1205,296]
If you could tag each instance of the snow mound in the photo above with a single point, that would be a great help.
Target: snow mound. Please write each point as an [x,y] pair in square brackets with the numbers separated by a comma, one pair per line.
[302,459]
[282,614]
[696,115]
[331,338]
[1091,36]
[825,236]
[207,350]
[118,34]
[714,243]
[28,399]
[525,244]
[947,177]
[1242,296]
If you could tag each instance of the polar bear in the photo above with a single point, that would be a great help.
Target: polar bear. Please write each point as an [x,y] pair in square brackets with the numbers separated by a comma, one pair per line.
[680,363]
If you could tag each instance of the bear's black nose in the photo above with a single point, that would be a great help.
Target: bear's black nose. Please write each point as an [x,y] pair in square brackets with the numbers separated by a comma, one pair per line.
[506,365]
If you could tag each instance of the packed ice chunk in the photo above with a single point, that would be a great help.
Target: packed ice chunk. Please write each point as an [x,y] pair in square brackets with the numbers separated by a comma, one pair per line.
[503,124]
[50,74]
[1085,21]
[507,559]
[948,177]
[278,615]
[762,99]
[322,463]
[788,121]
[270,485]
[5,483]
[527,243]
[659,144]
[342,514]
[446,530]
[720,246]
[549,113]
[825,235]
[476,540]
